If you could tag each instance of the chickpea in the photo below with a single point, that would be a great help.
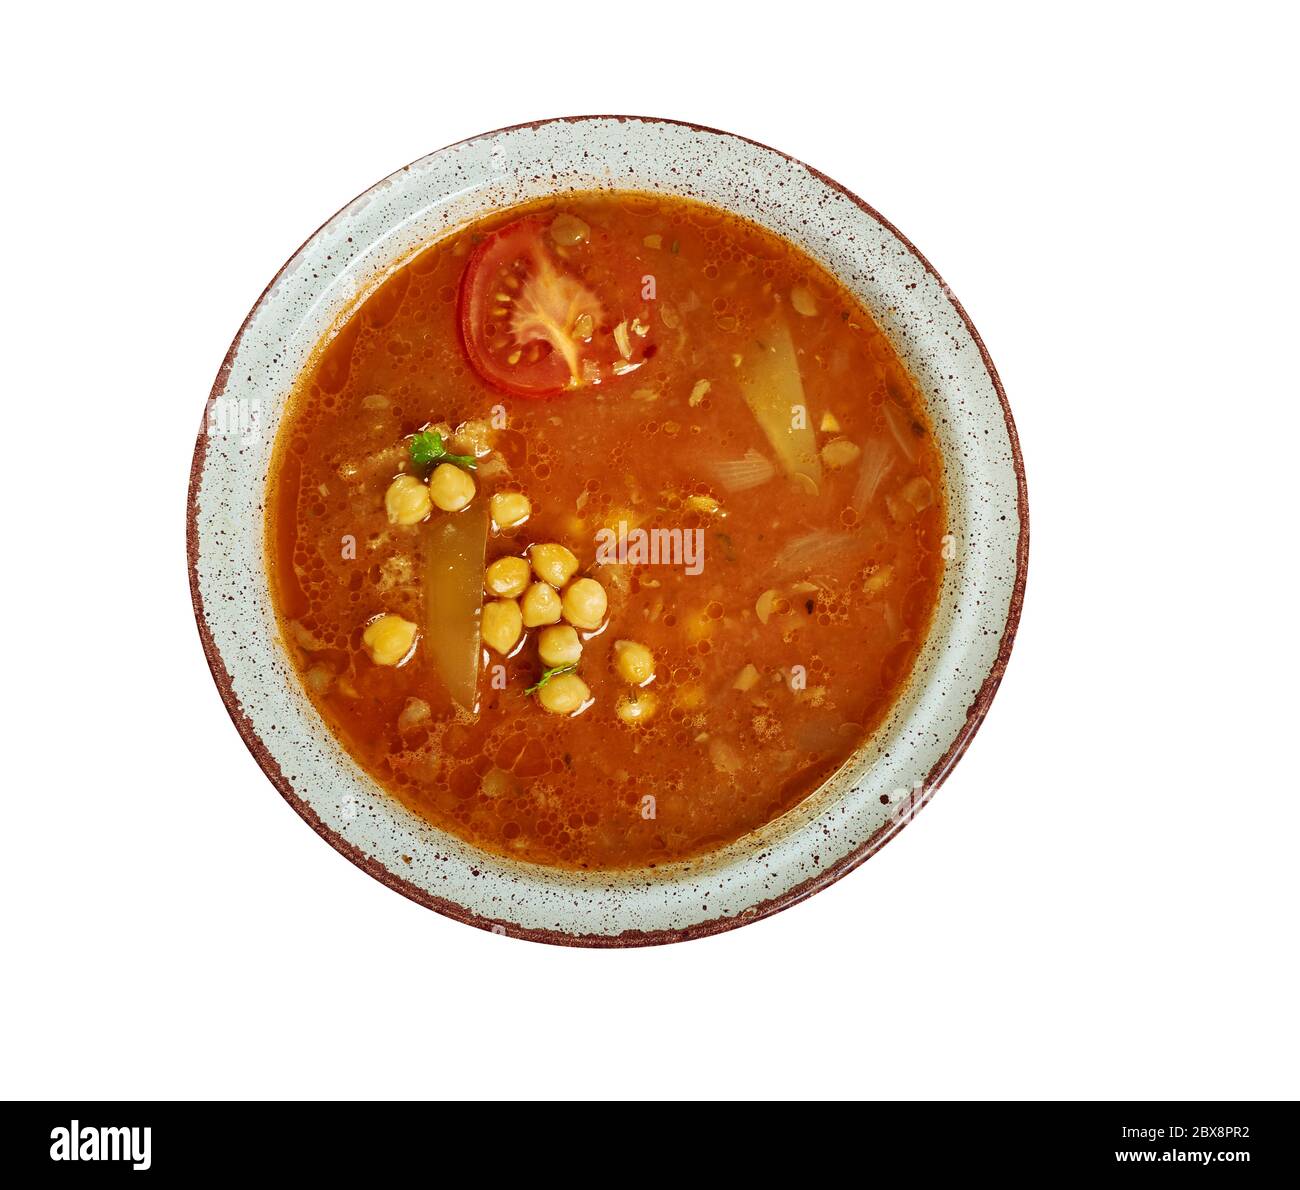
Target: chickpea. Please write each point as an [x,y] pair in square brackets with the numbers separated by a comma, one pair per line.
[389,640]
[636,707]
[510,508]
[840,452]
[553,563]
[585,603]
[705,504]
[451,488]
[567,230]
[559,646]
[802,299]
[407,501]
[634,662]
[541,605]
[502,624]
[507,578]
[563,694]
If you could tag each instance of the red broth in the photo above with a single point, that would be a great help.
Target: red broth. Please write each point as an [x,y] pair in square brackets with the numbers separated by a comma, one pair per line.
[726,444]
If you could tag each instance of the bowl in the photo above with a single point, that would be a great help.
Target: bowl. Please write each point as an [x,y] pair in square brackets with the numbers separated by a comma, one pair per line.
[863,805]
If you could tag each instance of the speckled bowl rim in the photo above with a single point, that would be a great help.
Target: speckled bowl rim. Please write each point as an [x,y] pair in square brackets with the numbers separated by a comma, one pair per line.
[975,714]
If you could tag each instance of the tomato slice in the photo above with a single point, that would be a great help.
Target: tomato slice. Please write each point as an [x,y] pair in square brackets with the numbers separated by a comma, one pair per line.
[535,323]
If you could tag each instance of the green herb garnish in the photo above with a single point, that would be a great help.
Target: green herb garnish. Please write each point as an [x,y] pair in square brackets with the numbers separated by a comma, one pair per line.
[427,448]
[676,247]
[547,675]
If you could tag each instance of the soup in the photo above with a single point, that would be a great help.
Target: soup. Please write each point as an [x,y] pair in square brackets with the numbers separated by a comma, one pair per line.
[605,529]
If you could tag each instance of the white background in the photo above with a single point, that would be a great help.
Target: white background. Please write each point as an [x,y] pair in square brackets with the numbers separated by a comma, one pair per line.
[1102,900]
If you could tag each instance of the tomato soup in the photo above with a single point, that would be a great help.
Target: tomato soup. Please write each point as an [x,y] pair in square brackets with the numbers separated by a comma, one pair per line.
[605,529]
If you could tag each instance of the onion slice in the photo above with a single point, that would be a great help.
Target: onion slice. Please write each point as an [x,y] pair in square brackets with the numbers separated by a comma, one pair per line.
[751,470]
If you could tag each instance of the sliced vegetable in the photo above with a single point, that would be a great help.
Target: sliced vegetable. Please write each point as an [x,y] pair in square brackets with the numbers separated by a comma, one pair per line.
[900,424]
[751,470]
[455,545]
[914,496]
[877,461]
[805,554]
[773,390]
[531,326]
[918,493]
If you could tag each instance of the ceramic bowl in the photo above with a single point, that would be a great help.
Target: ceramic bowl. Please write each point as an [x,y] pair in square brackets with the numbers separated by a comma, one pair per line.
[892,775]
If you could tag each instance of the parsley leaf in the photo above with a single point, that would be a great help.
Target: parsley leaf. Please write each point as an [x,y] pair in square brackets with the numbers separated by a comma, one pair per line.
[427,449]
[548,674]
